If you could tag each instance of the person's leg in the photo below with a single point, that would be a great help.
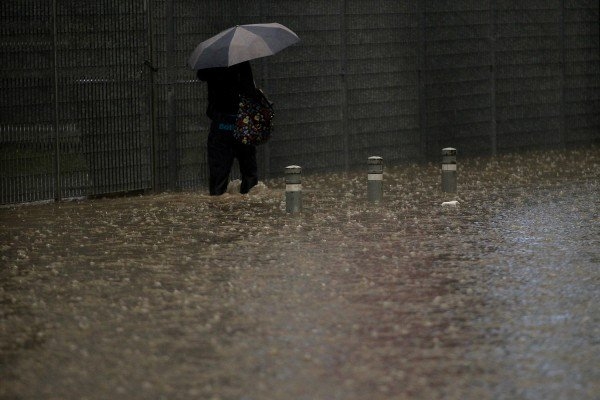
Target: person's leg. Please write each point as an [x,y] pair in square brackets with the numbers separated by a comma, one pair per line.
[220,160]
[246,156]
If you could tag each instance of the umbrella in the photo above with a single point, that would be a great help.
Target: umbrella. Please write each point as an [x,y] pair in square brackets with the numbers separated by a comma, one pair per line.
[241,43]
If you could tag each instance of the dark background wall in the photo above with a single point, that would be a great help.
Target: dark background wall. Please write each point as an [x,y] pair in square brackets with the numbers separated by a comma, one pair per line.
[98,99]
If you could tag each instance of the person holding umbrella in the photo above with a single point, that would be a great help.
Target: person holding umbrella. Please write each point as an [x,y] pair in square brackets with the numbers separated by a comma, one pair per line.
[225,85]
[223,63]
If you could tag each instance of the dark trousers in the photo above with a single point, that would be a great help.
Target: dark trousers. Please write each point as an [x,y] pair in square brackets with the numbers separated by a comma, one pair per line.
[222,150]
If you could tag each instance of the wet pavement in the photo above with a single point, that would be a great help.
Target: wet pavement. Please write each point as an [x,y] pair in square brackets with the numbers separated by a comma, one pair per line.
[183,296]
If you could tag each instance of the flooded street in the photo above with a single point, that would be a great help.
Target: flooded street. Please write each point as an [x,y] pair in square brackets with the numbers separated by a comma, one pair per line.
[184,296]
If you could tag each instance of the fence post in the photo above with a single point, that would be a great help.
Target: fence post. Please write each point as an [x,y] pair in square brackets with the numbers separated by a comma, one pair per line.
[57,186]
[494,122]
[344,78]
[562,127]
[421,76]
[265,150]
[152,94]
[171,119]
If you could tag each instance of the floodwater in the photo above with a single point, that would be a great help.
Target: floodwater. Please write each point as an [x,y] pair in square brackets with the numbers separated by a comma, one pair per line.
[183,296]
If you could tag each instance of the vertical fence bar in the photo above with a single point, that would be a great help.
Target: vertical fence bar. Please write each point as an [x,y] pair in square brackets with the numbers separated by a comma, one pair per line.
[152,95]
[171,120]
[57,188]
[344,77]
[116,94]
[122,128]
[422,94]
[494,122]
[266,149]
[562,59]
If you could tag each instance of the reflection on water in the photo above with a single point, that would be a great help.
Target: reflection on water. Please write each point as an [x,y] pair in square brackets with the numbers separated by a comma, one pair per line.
[186,296]
[552,320]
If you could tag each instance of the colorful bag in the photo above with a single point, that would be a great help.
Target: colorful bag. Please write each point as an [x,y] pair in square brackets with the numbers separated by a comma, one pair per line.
[254,118]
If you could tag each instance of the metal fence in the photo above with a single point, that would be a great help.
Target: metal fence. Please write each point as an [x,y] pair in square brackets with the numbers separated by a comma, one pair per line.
[97,98]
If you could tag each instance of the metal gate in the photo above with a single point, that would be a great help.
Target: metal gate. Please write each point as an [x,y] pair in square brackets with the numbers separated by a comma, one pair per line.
[76,112]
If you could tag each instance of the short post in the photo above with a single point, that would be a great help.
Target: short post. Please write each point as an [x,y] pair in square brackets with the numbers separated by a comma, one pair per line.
[293,189]
[375,179]
[449,170]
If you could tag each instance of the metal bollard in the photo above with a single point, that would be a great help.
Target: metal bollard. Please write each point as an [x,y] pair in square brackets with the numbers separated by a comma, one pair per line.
[449,170]
[293,189]
[375,179]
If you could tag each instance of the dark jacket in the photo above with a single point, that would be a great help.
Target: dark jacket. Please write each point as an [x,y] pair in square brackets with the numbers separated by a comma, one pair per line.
[225,86]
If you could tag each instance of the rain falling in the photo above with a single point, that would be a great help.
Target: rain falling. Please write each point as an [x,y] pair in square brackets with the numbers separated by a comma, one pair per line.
[491,292]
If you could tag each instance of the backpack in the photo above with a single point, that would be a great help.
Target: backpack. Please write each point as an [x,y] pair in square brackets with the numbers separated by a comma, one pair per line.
[254,119]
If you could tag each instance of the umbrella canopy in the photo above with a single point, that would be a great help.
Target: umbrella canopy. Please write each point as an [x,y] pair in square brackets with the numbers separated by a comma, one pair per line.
[241,43]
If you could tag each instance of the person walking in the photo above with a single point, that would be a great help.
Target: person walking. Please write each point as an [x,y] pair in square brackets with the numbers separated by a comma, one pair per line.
[225,84]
